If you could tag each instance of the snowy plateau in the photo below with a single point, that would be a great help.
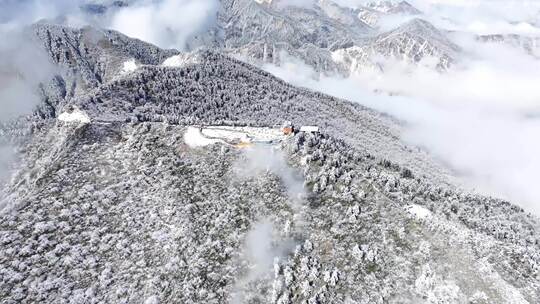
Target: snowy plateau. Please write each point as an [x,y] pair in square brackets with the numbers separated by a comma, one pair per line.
[189,151]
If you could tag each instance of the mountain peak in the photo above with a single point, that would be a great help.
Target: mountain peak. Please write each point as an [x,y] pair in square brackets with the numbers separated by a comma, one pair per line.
[420,27]
[392,7]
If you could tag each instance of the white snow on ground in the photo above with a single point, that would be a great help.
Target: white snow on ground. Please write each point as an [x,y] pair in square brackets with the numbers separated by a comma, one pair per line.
[75,116]
[418,211]
[129,66]
[204,136]
[180,60]
[194,139]
[510,294]
[244,134]
[436,286]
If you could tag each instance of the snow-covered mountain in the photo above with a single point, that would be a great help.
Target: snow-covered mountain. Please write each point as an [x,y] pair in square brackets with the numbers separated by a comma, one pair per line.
[373,12]
[261,32]
[529,44]
[88,58]
[412,42]
[128,187]
[393,7]
[116,207]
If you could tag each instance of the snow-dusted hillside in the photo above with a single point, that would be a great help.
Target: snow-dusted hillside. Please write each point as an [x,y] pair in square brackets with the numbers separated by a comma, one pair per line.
[158,176]
[130,212]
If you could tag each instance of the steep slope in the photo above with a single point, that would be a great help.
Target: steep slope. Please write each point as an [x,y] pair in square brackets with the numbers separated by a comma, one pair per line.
[96,55]
[89,57]
[118,213]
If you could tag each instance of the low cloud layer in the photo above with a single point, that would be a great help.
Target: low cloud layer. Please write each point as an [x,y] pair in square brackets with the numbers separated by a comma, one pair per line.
[22,12]
[168,23]
[264,247]
[472,16]
[482,16]
[481,118]
[261,159]
[23,66]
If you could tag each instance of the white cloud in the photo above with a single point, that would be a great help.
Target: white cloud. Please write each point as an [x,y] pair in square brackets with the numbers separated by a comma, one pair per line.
[23,66]
[18,13]
[7,155]
[29,11]
[260,159]
[479,118]
[482,16]
[168,23]
[259,248]
[472,16]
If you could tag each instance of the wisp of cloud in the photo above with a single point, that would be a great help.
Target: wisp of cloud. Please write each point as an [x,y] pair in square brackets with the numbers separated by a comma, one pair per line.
[24,65]
[168,23]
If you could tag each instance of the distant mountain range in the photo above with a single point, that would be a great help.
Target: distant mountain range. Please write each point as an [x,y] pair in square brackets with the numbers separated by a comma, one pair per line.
[315,34]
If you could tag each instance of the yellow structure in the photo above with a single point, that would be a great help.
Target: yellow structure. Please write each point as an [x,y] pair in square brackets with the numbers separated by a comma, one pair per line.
[243,145]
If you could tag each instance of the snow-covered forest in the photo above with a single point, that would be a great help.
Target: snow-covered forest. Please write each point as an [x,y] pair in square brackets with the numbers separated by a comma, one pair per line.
[112,191]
